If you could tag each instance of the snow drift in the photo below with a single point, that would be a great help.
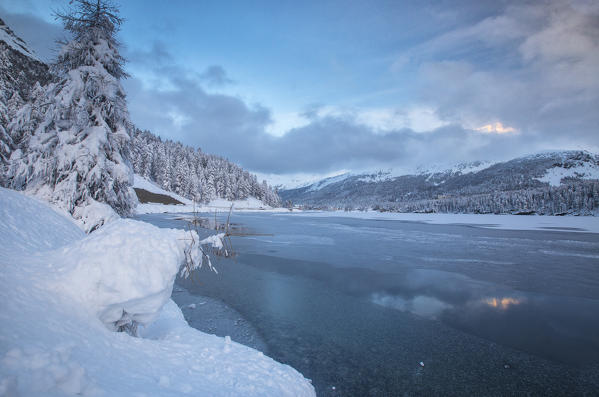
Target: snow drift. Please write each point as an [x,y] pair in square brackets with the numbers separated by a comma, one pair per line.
[124,272]
[63,293]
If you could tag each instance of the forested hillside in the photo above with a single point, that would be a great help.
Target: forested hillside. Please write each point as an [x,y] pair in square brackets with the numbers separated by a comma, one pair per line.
[192,173]
[554,183]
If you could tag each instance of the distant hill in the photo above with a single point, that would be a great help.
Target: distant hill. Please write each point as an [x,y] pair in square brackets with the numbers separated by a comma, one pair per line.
[552,183]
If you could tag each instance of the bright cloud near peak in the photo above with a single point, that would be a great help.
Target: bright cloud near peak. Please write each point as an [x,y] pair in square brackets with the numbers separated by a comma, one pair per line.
[496,128]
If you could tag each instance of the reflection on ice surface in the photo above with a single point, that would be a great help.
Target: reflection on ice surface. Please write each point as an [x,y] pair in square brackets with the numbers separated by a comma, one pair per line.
[335,297]
[424,306]
[502,303]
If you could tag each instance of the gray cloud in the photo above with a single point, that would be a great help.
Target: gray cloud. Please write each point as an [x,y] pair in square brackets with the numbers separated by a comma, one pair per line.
[543,81]
[157,56]
[174,104]
[227,126]
[215,75]
[538,75]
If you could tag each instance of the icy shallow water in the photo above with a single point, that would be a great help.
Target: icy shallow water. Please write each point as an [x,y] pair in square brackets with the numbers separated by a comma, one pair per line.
[357,304]
[215,317]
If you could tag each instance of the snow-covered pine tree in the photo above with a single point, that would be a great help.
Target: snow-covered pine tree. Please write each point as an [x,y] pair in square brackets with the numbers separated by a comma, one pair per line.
[75,154]
[6,142]
[8,109]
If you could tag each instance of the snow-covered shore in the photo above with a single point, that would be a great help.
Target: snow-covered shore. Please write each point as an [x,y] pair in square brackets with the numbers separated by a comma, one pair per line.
[61,290]
[218,205]
[589,224]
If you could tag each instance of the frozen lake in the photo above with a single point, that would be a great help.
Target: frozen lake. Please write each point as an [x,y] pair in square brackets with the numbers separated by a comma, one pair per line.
[356,304]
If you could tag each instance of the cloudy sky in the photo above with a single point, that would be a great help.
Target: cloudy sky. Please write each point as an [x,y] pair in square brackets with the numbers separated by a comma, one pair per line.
[315,87]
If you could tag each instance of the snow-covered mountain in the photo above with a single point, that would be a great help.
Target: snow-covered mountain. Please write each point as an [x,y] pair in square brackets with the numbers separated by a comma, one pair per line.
[548,183]
[313,182]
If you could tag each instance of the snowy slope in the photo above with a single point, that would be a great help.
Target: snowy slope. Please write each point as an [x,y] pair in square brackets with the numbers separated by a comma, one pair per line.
[460,168]
[60,289]
[328,181]
[294,180]
[554,175]
[142,183]
[371,176]
[220,205]
[15,42]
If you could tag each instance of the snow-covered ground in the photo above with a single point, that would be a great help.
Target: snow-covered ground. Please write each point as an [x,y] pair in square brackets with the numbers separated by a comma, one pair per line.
[554,175]
[142,183]
[511,222]
[296,180]
[328,181]
[63,293]
[220,205]
[316,182]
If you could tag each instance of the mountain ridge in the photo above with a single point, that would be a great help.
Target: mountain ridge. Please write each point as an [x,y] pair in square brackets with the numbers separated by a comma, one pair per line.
[501,187]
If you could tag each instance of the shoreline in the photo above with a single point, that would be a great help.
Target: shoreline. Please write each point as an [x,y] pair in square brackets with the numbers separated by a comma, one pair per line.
[578,224]
[213,316]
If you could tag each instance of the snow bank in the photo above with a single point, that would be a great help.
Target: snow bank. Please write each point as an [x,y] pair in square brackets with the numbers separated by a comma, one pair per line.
[249,203]
[59,289]
[218,206]
[30,225]
[588,224]
[124,272]
[153,208]
[93,215]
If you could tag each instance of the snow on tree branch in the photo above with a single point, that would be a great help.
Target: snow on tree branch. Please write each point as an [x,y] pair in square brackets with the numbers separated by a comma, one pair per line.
[73,137]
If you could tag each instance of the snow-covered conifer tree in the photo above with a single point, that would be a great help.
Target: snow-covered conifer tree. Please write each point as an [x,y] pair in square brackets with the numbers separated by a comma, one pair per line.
[76,130]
